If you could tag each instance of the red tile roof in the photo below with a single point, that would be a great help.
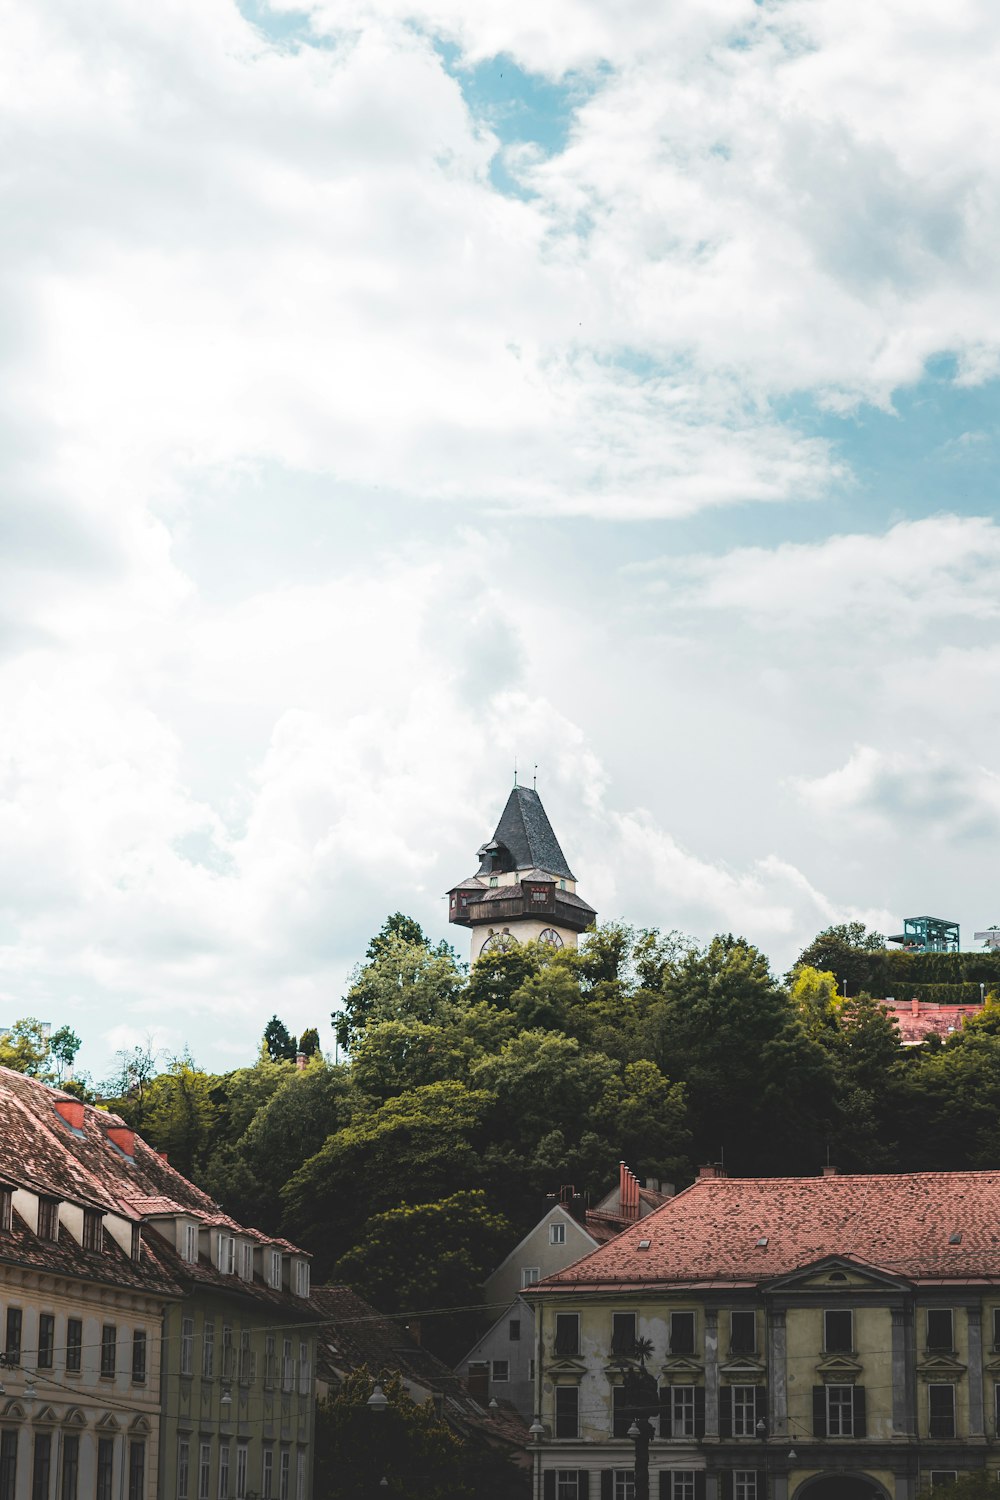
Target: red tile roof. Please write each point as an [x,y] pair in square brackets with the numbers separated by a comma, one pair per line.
[918,1020]
[752,1229]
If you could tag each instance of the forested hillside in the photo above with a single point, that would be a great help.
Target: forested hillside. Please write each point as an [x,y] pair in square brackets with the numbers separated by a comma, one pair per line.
[410,1169]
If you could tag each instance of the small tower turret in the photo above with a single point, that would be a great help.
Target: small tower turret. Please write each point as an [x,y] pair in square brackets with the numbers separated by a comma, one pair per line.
[524,891]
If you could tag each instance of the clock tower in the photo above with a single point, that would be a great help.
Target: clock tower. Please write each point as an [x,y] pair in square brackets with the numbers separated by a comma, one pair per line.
[524,891]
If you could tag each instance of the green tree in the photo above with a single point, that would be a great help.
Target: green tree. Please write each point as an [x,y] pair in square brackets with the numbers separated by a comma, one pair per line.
[64,1044]
[429,1255]
[24,1047]
[410,1448]
[847,950]
[279,1041]
[403,981]
[416,1148]
[309,1042]
[129,1084]
[181,1115]
[398,926]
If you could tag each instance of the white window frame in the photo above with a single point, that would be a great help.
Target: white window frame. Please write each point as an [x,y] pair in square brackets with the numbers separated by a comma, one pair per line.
[499,1371]
[557,1234]
[183,1468]
[682,1400]
[284,1473]
[567,1484]
[943,1385]
[267,1474]
[682,1484]
[840,1411]
[275,1275]
[191,1244]
[305,1371]
[226,1254]
[555,1411]
[223,1471]
[204,1471]
[242,1462]
[529,1275]
[744,1399]
[246,1260]
[744,1484]
[301,1278]
[941,1478]
[187,1346]
[624,1484]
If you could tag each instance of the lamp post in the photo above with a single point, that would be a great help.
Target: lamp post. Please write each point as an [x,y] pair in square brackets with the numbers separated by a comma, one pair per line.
[761,1431]
[378,1403]
[642,1401]
[536,1432]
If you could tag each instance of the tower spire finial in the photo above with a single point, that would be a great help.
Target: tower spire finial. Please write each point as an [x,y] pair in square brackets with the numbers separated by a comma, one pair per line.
[534,779]
[515,770]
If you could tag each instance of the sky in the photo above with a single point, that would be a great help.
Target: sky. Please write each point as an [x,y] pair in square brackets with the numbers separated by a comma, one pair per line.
[394,390]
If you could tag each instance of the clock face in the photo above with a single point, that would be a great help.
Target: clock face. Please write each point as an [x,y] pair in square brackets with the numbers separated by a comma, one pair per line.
[498,942]
[550,938]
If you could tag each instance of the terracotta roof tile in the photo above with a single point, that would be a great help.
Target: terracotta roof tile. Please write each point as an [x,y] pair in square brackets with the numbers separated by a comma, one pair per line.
[902,1224]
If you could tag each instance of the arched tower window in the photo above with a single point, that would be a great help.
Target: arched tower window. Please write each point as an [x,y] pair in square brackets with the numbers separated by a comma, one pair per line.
[550,938]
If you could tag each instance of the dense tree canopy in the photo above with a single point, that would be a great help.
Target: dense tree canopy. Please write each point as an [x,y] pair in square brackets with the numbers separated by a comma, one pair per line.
[413,1167]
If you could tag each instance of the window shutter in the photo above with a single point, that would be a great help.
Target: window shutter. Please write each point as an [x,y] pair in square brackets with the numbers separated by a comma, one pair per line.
[819,1411]
[760,1404]
[583,1484]
[664,1484]
[607,1484]
[726,1411]
[699,1412]
[665,1428]
[549,1484]
[726,1485]
[860,1416]
[699,1484]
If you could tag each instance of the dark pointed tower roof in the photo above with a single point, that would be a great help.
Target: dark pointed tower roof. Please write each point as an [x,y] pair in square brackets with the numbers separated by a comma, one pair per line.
[526,833]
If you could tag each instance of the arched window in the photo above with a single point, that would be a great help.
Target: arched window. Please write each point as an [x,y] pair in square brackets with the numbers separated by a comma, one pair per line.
[550,938]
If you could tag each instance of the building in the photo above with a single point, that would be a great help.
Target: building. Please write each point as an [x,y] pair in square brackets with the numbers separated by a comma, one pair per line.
[834,1338]
[916,1020]
[928,935]
[501,1364]
[523,890]
[152,1346]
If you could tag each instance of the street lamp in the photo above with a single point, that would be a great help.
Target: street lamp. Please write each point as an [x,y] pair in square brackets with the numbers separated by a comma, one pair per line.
[378,1400]
[536,1432]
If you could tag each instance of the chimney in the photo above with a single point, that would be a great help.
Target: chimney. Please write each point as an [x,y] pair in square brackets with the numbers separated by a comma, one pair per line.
[710,1170]
[123,1137]
[829,1171]
[71,1110]
[915,1006]
[300,1061]
[652,1184]
[163,1156]
[628,1192]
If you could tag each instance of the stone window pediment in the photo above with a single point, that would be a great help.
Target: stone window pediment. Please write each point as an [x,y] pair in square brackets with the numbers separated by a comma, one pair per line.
[682,1364]
[743,1371]
[839,1369]
[940,1367]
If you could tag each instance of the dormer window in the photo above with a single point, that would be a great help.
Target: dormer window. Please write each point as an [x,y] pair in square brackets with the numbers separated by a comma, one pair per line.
[494,881]
[246,1261]
[6,1209]
[274,1269]
[189,1246]
[301,1278]
[227,1254]
[48,1219]
[93,1229]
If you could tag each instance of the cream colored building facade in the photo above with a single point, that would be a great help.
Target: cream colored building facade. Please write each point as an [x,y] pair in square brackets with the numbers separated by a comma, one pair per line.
[838,1380]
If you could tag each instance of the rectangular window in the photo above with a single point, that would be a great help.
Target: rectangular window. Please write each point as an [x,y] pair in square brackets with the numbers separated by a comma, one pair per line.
[223,1471]
[226,1254]
[838,1332]
[48,1219]
[745,1484]
[840,1411]
[742,1332]
[41,1466]
[624,1486]
[109,1349]
[191,1243]
[136,1469]
[557,1234]
[244,1356]
[74,1345]
[139,1356]
[514,1330]
[623,1333]
[204,1471]
[246,1263]
[529,1275]
[183,1468]
[682,1333]
[105,1468]
[93,1226]
[284,1471]
[46,1340]
[302,1278]
[8,1463]
[267,1474]
[241,1471]
[13,1343]
[6,1209]
[744,1410]
[940,1329]
[567,1484]
[567,1411]
[300,1475]
[682,1484]
[270,1362]
[275,1277]
[996,1329]
[941,1477]
[208,1350]
[941,1401]
[567,1334]
[69,1476]
[187,1346]
[228,1353]
[287,1372]
[621,1412]
[682,1411]
[305,1382]
[500,1371]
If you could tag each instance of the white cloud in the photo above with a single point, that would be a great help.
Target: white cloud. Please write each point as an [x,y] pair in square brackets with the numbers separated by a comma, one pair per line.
[917,792]
[909,578]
